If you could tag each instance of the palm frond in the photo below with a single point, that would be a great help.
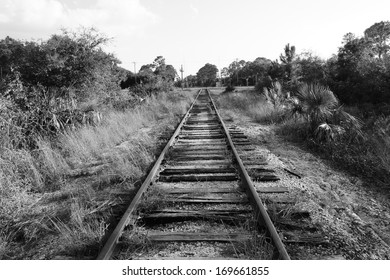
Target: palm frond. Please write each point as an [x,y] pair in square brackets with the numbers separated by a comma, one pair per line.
[295,108]
[349,122]
[318,102]
[327,132]
[274,94]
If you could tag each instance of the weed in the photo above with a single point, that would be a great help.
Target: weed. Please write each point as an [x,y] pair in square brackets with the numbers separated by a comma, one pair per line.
[153,200]
[257,247]
[134,242]
[267,114]
[3,247]
[40,201]
[76,236]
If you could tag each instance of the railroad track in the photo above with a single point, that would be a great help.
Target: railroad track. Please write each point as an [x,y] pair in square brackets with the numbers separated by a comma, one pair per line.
[198,201]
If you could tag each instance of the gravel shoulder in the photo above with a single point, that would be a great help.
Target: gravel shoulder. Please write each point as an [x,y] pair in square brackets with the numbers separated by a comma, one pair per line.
[351,212]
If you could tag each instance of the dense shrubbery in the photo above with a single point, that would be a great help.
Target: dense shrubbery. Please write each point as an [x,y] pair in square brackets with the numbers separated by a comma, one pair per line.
[314,115]
[43,84]
[263,82]
[314,105]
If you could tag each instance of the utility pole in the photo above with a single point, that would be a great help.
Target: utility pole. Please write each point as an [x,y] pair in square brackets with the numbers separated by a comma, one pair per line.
[182,81]
[237,71]
[135,71]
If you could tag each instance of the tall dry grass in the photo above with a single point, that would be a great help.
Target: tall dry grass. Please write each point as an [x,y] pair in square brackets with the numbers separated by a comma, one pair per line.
[41,197]
[252,104]
[315,118]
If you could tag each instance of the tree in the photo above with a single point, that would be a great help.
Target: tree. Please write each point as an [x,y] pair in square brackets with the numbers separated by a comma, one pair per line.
[159,62]
[289,63]
[311,68]
[152,78]
[361,72]
[170,73]
[379,35]
[166,72]
[235,71]
[207,75]
[257,70]
[146,73]
[11,55]
[191,81]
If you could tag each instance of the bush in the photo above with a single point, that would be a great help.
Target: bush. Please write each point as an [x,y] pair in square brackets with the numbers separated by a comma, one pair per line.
[275,95]
[44,82]
[264,82]
[326,127]
[320,109]
[153,87]
[318,103]
[230,88]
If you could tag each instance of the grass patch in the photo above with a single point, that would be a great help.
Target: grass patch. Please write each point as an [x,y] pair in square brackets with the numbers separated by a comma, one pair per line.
[267,114]
[60,196]
[252,104]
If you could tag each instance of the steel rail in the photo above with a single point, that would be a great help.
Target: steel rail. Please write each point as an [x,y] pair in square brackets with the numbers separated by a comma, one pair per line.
[110,244]
[262,215]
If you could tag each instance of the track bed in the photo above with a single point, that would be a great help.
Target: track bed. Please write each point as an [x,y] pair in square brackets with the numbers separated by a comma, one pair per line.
[195,204]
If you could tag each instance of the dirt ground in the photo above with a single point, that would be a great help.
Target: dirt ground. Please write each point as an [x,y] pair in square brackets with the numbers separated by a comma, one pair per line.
[352,214]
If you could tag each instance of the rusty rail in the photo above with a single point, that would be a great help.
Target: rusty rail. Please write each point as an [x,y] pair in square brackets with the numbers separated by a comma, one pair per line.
[261,213]
[109,246]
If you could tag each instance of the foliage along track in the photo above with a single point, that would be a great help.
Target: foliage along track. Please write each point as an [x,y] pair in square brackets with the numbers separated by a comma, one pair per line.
[198,201]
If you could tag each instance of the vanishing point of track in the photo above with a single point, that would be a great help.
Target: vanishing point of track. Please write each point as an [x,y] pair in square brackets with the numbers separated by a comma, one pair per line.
[198,201]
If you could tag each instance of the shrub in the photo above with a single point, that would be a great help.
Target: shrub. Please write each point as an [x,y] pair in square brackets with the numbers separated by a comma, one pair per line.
[264,82]
[320,109]
[153,87]
[275,95]
[230,88]
[318,103]
[44,82]
[325,126]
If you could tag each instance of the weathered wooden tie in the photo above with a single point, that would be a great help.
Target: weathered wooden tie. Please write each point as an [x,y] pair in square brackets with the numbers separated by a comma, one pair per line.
[195,237]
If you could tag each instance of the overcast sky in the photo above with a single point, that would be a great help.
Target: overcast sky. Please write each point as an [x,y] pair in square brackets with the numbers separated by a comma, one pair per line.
[196,32]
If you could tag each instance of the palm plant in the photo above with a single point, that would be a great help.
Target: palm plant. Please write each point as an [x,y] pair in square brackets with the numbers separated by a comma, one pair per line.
[327,119]
[274,94]
[318,103]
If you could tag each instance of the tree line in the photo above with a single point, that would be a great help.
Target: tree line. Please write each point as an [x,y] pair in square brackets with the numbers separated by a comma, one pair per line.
[42,83]
[151,78]
[358,73]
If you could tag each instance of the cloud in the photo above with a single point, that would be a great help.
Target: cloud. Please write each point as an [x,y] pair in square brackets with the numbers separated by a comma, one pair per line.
[17,15]
[23,18]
